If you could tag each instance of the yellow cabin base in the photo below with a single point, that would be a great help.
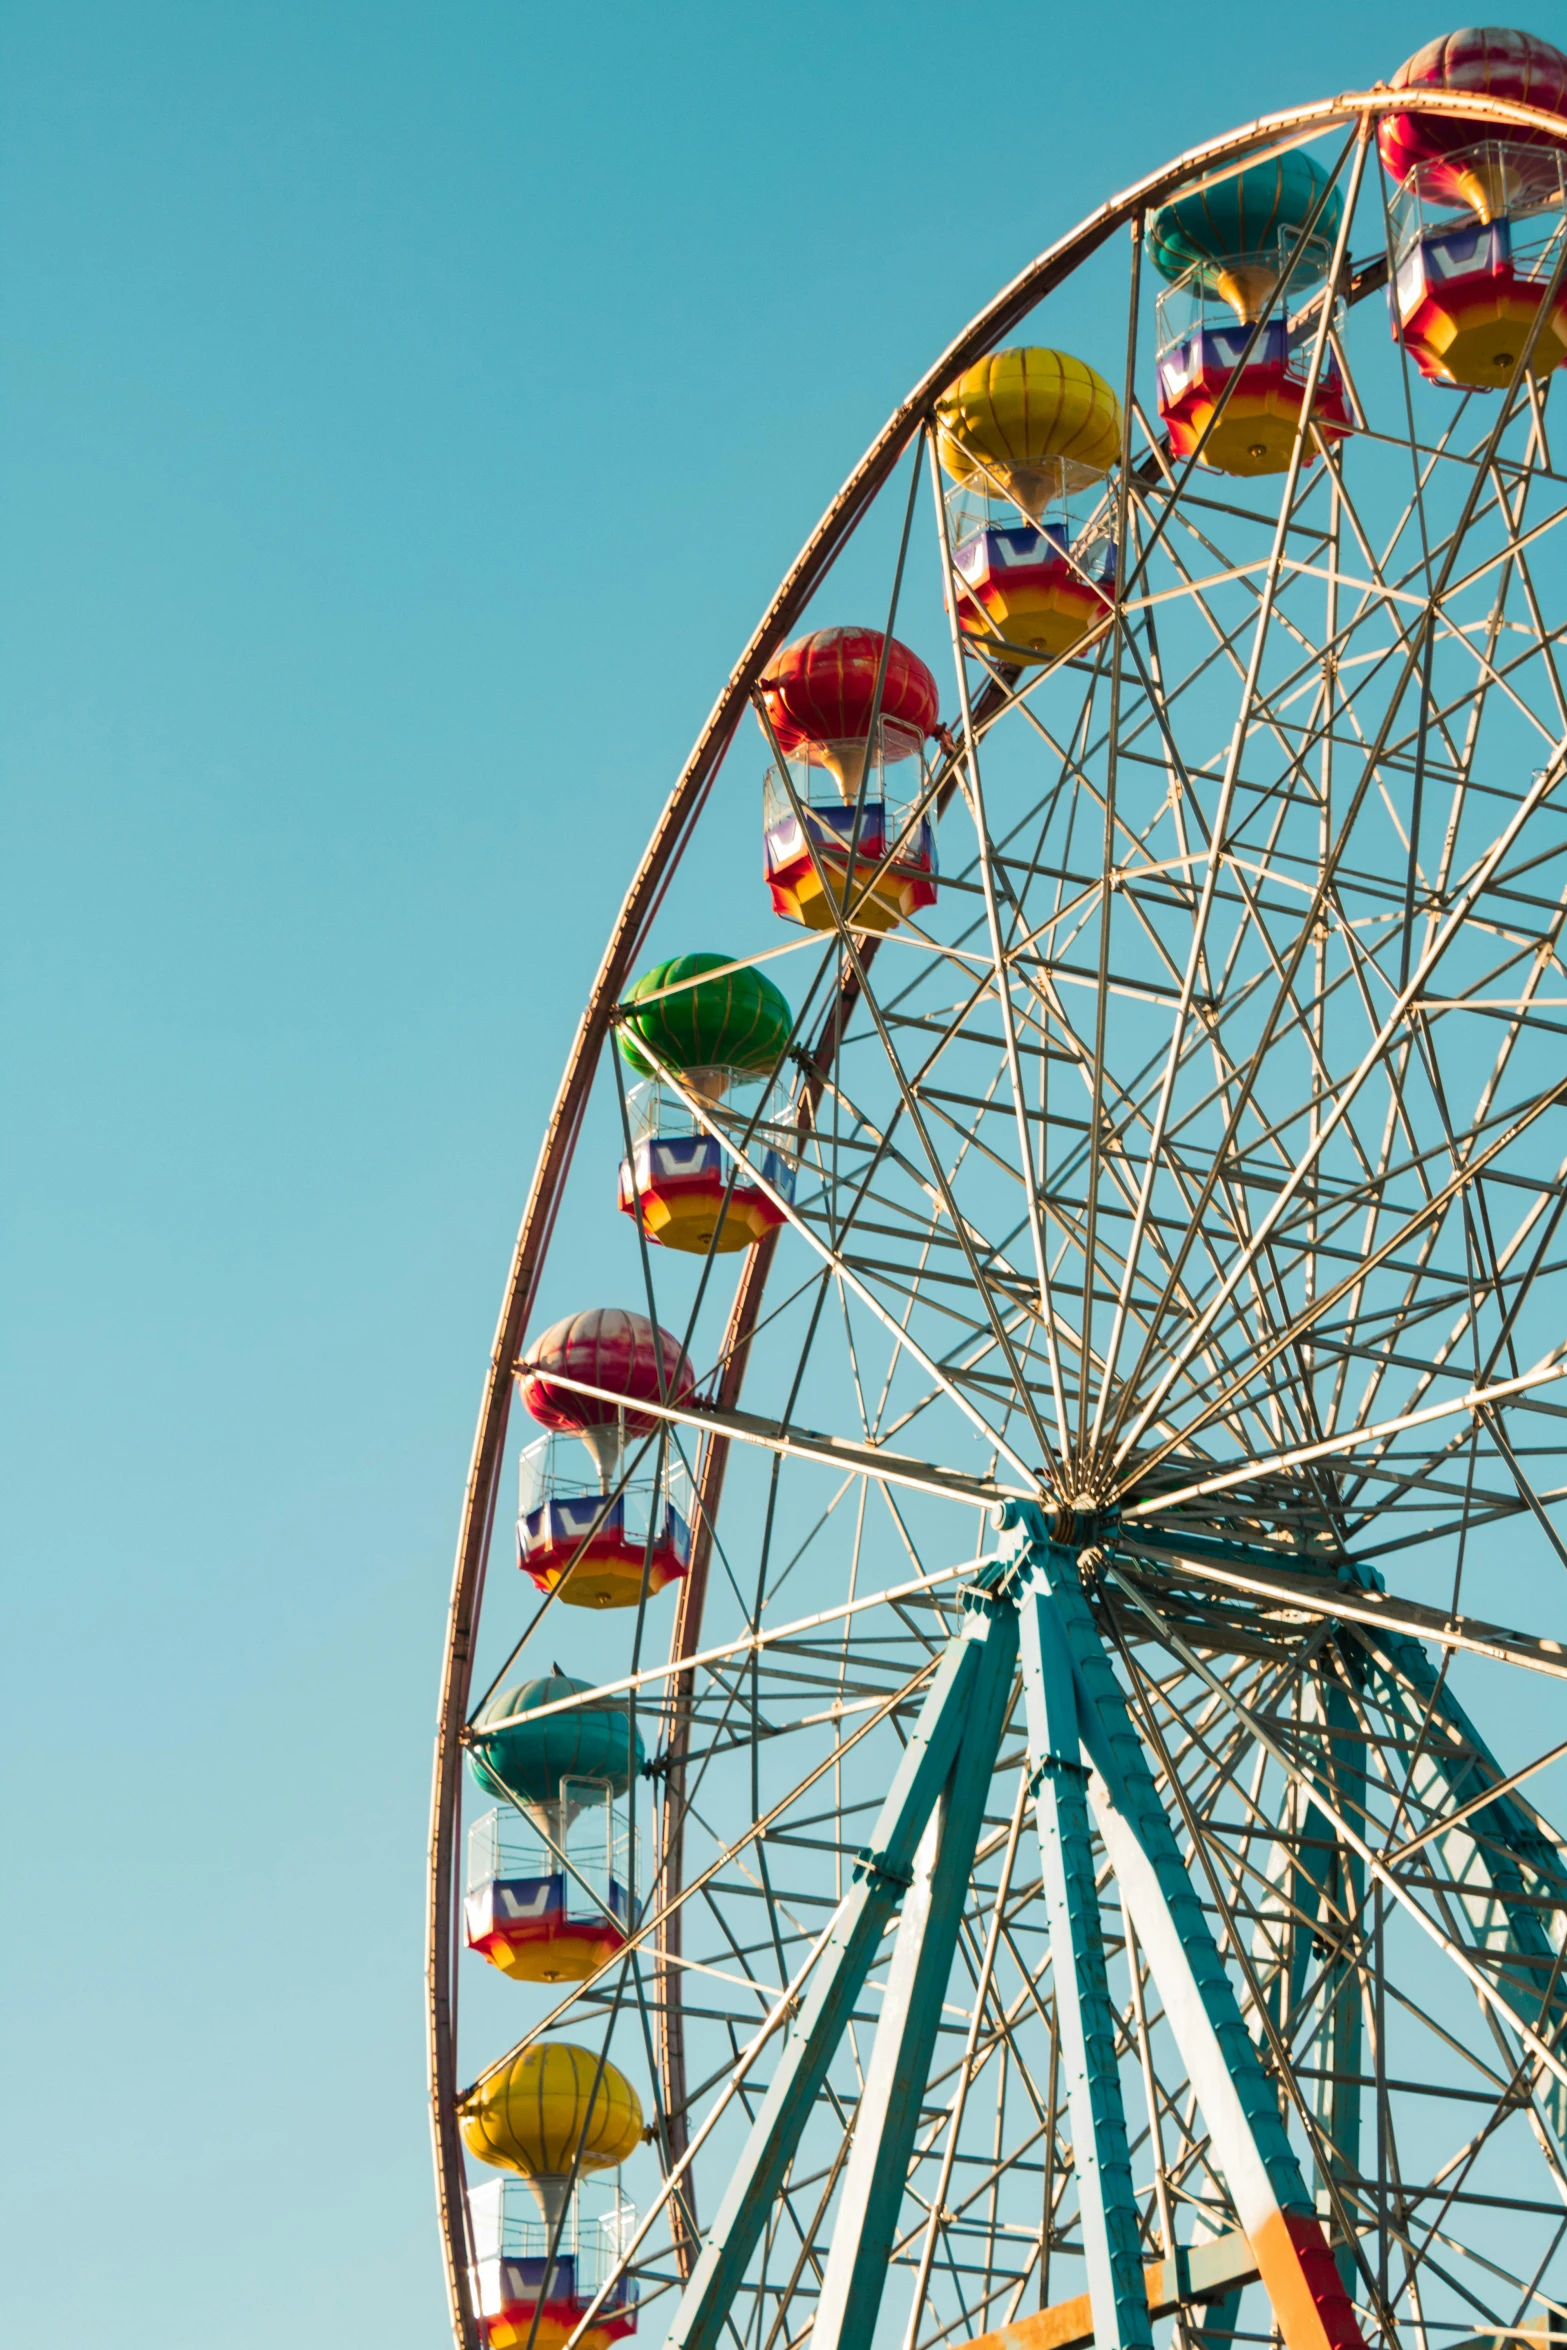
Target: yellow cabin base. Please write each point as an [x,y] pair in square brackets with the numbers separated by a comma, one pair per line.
[1478,347]
[1042,626]
[1254,435]
[692,1223]
[563,1961]
[603,1583]
[549,2334]
[878,909]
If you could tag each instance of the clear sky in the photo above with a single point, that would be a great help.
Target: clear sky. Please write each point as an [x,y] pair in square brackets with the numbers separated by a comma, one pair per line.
[407,410]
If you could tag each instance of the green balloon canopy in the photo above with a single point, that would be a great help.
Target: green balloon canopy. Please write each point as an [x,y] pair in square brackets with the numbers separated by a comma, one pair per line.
[1245,218]
[527,1761]
[739,1021]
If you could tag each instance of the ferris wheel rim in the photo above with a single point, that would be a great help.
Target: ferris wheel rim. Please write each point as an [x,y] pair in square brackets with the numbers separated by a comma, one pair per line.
[1270,133]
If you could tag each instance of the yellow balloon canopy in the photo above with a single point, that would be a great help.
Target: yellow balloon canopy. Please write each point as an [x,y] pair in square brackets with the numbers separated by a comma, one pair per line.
[1031,423]
[537,2111]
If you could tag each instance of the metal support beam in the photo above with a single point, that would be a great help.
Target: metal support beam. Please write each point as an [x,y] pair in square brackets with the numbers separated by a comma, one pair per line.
[1200,2275]
[1214,2326]
[882,1877]
[1086,2019]
[1340,1900]
[1224,1564]
[876,2174]
[1238,2102]
[1087,1765]
[1498,1855]
[1306,1942]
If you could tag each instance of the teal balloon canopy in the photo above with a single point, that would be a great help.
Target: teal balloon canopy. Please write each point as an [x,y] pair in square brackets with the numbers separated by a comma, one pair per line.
[1244,219]
[528,1760]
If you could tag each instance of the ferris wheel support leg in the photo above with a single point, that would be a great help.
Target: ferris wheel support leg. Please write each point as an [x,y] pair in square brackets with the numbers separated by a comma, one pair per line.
[1085,2017]
[887,2116]
[1341,1894]
[1498,1856]
[1306,1944]
[1238,2102]
[883,1875]
[1214,2327]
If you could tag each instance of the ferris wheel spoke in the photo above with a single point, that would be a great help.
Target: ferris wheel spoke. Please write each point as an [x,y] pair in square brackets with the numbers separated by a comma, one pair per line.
[1377,601]
[1546,638]
[1350,1089]
[1374,1437]
[1165,1282]
[1516,538]
[1067,1215]
[973,792]
[1320,1306]
[940,1182]
[843,1268]
[1154,1167]
[913,1112]
[1499,681]
[1238,1269]
[916,1283]
[1501,1341]
[1271,701]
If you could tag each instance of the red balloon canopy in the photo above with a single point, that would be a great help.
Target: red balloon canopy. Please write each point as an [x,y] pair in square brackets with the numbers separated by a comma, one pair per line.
[822,688]
[608,1348]
[1488,58]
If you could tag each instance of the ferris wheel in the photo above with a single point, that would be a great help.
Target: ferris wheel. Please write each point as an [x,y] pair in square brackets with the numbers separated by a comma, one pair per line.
[998,1792]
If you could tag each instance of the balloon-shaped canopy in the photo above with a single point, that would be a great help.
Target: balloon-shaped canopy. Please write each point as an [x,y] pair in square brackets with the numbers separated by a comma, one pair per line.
[735,1023]
[607,1347]
[550,2108]
[1035,423]
[526,1761]
[822,689]
[1237,232]
[1501,64]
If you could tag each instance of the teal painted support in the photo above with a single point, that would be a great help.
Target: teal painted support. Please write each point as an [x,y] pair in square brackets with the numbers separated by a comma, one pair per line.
[876,2174]
[882,1876]
[1214,2327]
[1499,1855]
[1305,1947]
[1162,1885]
[1085,2018]
[1341,1773]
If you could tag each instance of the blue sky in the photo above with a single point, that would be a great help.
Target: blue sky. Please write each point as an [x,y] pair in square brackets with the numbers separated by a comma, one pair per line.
[408,410]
